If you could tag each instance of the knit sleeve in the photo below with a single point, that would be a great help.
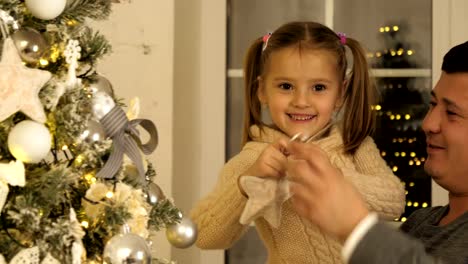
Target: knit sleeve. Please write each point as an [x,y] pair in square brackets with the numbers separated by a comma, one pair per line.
[381,189]
[217,215]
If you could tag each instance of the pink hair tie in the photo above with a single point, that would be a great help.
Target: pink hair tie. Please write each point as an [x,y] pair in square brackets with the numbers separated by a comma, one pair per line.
[342,38]
[265,40]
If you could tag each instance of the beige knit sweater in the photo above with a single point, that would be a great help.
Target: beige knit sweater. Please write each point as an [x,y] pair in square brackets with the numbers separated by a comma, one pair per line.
[296,240]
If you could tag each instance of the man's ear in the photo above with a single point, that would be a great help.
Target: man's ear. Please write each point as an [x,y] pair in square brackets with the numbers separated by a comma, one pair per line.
[261,91]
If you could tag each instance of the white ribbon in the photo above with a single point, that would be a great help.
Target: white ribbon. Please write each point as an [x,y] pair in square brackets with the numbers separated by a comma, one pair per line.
[13,174]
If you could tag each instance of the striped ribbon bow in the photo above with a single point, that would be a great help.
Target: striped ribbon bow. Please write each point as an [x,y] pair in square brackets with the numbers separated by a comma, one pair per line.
[126,140]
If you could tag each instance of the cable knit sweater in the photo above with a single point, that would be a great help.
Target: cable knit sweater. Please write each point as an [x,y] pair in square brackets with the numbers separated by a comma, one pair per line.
[296,240]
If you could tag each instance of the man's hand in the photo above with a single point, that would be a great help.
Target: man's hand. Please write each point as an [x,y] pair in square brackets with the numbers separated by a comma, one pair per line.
[320,192]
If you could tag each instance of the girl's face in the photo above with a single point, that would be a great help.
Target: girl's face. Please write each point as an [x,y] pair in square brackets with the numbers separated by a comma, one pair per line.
[302,89]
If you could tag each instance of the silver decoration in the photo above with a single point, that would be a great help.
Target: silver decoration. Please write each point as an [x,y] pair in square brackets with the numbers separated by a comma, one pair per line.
[153,193]
[98,83]
[94,132]
[30,44]
[127,248]
[102,104]
[183,234]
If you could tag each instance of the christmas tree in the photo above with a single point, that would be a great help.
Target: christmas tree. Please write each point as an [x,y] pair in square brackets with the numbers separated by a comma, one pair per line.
[402,107]
[75,186]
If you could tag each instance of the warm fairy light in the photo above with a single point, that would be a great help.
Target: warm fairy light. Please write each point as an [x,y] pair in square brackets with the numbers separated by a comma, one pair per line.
[397,154]
[403,219]
[424,205]
[413,154]
[72,22]
[403,154]
[393,53]
[400,52]
[398,117]
[410,52]
[79,159]
[64,147]
[395,28]
[387,29]
[370,55]
[423,159]
[90,178]
[43,62]
[84,224]
[389,113]
[394,140]
[382,29]
[392,117]
[418,163]
[406,192]
[378,107]
[407,117]
[415,204]
[411,163]
[410,140]
[55,53]
[395,168]
[383,153]
[409,203]
[109,194]
[400,140]
[411,184]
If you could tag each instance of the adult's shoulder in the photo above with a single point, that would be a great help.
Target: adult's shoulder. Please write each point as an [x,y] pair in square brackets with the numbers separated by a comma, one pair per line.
[428,214]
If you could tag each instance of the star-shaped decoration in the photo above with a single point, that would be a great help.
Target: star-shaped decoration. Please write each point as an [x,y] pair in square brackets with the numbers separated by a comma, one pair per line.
[266,196]
[20,85]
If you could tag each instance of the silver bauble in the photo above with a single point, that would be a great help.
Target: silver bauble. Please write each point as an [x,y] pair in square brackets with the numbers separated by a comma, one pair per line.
[153,193]
[183,234]
[102,104]
[99,83]
[94,132]
[30,44]
[127,248]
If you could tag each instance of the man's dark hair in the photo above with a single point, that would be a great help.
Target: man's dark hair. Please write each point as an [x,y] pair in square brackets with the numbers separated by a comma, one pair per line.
[456,60]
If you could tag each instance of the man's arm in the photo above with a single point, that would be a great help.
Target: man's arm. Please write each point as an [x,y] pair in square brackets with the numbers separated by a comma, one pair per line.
[385,245]
[322,195]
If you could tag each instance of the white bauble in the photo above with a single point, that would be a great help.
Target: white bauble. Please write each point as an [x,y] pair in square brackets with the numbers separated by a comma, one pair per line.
[46,9]
[29,141]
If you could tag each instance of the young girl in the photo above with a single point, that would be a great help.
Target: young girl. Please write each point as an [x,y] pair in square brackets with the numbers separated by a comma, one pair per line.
[299,75]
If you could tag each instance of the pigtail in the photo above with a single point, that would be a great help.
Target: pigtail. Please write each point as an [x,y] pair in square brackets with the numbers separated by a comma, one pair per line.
[358,119]
[252,107]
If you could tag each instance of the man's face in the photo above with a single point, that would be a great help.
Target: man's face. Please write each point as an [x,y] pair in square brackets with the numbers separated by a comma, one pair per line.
[446,129]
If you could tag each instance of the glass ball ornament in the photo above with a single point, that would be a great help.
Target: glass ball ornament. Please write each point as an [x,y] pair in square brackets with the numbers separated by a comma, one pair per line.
[127,248]
[99,83]
[102,104]
[183,234]
[94,132]
[29,141]
[30,43]
[46,9]
[153,193]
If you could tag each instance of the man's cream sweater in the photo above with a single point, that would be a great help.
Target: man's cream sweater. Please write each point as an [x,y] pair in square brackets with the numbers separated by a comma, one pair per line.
[295,240]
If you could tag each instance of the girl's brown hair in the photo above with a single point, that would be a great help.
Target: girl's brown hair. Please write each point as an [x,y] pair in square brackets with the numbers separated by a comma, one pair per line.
[359,94]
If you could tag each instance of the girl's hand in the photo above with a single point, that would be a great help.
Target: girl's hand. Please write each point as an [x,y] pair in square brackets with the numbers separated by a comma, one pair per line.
[272,161]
